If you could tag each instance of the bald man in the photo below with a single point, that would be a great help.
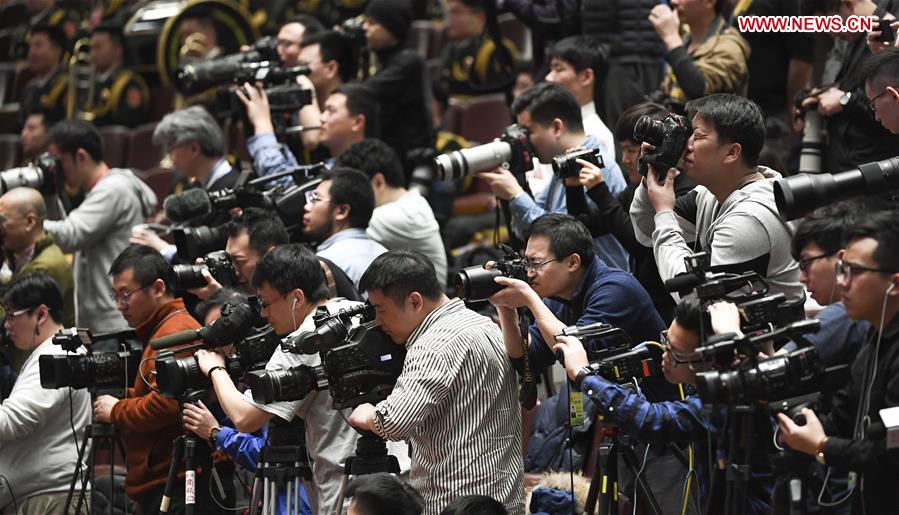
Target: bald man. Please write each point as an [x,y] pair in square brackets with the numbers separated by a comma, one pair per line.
[27,248]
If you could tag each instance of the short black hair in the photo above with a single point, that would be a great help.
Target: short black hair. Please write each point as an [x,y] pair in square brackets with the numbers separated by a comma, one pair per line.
[289,267]
[70,135]
[373,156]
[398,273]
[583,52]
[147,265]
[264,227]
[114,31]
[624,127]
[384,494]
[54,33]
[882,69]
[474,505]
[688,314]
[547,101]
[351,187]
[736,119]
[567,235]
[333,46]
[311,24]
[361,100]
[882,227]
[217,300]
[826,227]
[29,291]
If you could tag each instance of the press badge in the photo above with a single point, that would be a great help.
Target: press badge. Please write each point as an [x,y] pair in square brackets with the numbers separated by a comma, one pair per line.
[575,408]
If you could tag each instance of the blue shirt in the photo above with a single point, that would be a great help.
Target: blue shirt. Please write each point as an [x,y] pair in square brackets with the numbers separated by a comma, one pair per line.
[839,339]
[352,250]
[551,199]
[270,157]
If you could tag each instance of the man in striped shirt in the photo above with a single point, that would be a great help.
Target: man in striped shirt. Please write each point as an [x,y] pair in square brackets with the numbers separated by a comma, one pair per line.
[456,400]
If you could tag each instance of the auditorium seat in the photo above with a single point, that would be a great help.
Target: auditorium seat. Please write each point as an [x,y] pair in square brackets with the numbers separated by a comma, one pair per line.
[7,82]
[13,13]
[10,151]
[478,119]
[161,99]
[142,153]
[519,34]
[160,180]
[115,145]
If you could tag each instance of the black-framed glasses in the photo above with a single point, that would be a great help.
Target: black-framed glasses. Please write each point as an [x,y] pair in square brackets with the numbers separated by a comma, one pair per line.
[871,102]
[804,263]
[537,266]
[265,305]
[847,270]
[679,358]
[11,316]
[124,297]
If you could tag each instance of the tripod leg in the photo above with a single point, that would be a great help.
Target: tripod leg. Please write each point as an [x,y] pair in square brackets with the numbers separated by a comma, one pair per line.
[190,475]
[177,454]
[75,474]
[343,483]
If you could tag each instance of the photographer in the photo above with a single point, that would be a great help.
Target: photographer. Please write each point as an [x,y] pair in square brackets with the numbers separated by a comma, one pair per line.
[853,434]
[337,215]
[552,116]
[98,229]
[401,82]
[39,429]
[881,78]
[402,219]
[329,57]
[141,289]
[291,286]
[731,214]
[455,400]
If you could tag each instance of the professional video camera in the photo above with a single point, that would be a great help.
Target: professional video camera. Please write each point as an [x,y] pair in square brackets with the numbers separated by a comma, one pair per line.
[623,364]
[669,137]
[801,194]
[565,166]
[512,150]
[185,277]
[194,242]
[359,363]
[101,370]
[44,175]
[192,79]
[476,283]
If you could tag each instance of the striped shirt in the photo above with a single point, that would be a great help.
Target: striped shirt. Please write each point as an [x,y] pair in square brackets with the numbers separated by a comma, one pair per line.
[456,402]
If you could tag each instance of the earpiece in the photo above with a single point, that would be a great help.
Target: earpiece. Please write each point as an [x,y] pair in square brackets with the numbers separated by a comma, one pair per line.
[294,304]
[890,288]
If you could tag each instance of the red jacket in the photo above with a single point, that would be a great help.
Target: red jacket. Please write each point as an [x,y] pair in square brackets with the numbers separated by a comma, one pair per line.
[150,420]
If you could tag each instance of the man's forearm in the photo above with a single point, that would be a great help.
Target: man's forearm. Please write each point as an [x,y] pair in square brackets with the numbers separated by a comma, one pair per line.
[546,321]
[508,322]
[246,417]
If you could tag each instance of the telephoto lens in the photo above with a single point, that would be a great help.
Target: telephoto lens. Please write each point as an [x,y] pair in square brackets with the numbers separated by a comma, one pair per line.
[218,263]
[293,384]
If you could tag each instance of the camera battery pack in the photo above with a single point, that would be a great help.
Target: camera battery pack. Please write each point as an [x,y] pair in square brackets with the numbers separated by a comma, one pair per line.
[890,417]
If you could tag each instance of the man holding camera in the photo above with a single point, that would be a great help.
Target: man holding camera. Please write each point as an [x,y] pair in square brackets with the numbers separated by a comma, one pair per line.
[39,436]
[731,214]
[99,228]
[456,399]
[552,117]
[291,287]
[141,289]
[857,433]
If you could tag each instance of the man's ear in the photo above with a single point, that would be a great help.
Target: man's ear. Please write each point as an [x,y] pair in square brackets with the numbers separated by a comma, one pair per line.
[557,127]
[341,212]
[416,300]
[332,69]
[378,181]
[574,262]
[586,77]
[358,123]
[734,152]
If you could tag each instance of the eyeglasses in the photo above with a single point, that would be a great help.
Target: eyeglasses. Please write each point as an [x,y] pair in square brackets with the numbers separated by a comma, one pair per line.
[846,270]
[871,102]
[265,305]
[680,358]
[125,296]
[804,263]
[537,266]
[10,317]
[312,197]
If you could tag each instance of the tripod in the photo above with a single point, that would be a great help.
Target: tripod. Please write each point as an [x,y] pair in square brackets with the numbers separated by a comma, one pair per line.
[371,457]
[96,432]
[738,471]
[283,462]
[604,484]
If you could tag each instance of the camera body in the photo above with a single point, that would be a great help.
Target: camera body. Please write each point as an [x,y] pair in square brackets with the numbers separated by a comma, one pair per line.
[186,277]
[623,364]
[565,166]
[513,149]
[669,137]
[44,175]
[96,371]
[476,283]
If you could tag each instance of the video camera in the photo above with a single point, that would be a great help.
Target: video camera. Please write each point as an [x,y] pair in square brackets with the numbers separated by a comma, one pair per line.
[476,283]
[669,137]
[565,166]
[623,364]
[359,363]
[218,263]
[512,150]
[191,79]
[96,371]
[44,175]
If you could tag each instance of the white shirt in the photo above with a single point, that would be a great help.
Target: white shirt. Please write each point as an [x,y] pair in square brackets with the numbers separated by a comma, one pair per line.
[595,127]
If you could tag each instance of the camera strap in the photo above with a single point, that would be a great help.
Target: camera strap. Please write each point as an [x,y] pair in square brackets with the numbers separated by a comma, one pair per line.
[527,394]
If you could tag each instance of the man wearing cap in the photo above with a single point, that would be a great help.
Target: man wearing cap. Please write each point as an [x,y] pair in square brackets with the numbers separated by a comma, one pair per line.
[401,81]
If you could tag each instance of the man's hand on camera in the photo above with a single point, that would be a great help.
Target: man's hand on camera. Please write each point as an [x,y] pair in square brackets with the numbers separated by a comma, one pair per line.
[212,286]
[661,195]
[503,183]
[256,103]
[725,318]
[875,45]
[103,408]
[590,175]
[807,439]
[516,294]
[829,101]
[207,359]
[198,419]
[363,417]
[148,239]
[574,352]
[664,19]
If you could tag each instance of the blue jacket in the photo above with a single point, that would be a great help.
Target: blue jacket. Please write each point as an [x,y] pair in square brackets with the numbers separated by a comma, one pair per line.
[839,339]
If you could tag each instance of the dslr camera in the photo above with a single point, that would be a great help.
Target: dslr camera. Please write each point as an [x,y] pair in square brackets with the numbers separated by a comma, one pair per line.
[565,166]
[669,137]
[475,283]
[44,175]
[96,371]
[186,277]
[513,149]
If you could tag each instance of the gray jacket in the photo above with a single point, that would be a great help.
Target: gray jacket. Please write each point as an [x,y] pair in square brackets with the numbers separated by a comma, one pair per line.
[98,231]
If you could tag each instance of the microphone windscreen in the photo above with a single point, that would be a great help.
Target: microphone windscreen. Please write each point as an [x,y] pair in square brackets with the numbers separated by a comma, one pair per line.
[187,205]
[683,283]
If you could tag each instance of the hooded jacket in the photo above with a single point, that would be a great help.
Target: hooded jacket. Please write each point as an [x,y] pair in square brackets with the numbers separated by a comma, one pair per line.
[98,231]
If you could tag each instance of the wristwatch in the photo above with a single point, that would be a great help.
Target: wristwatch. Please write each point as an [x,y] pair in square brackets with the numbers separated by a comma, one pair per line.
[820,454]
[845,98]
[213,436]
[588,370]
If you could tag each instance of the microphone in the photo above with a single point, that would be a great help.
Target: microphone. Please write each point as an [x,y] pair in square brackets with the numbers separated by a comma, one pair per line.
[683,283]
[187,205]
[175,339]
[595,329]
